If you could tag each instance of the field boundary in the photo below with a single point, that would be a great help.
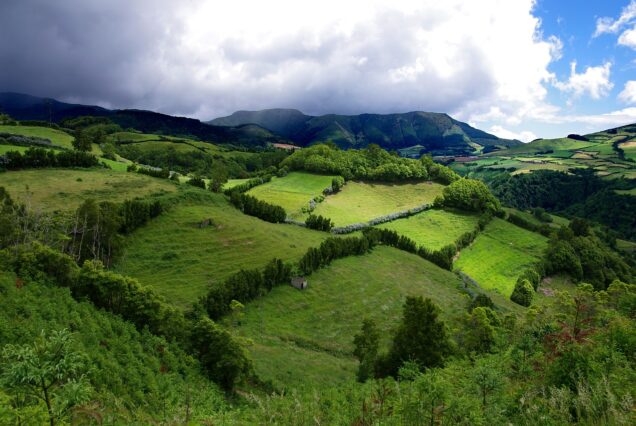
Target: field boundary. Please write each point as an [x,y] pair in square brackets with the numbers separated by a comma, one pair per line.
[381,219]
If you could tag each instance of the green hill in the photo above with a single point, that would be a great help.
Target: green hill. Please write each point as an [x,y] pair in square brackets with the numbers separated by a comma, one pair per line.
[436,133]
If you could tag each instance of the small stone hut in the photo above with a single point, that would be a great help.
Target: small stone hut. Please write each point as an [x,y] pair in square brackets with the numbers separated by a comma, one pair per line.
[299,282]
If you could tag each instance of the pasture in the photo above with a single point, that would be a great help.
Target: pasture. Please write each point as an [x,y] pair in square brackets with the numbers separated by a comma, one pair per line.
[66,189]
[292,192]
[499,254]
[306,337]
[57,137]
[180,259]
[434,229]
[363,201]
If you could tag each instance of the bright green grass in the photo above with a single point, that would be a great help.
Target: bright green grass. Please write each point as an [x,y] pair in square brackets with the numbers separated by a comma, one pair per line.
[132,137]
[306,337]
[57,137]
[627,191]
[115,165]
[180,260]
[6,148]
[361,202]
[231,183]
[292,192]
[434,229]
[65,189]
[162,145]
[499,254]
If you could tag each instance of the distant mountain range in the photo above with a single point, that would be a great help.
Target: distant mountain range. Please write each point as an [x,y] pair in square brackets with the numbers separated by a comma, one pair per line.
[432,132]
[412,133]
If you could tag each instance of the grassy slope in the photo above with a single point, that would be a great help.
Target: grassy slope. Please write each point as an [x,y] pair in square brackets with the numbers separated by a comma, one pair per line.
[360,202]
[306,337]
[499,254]
[434,229]
[65,189]
[57,137]
[293,191]
[180,260]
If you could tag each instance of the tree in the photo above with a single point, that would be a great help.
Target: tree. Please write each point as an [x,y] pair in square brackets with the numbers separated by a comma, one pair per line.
[50,371]
[487,377]
[480,330]
[366,349]
[82,142]
[523,293]
[421,336]
[219,178]
[470,195]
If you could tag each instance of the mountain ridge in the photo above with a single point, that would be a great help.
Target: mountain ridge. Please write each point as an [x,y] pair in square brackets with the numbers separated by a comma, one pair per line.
[437,133]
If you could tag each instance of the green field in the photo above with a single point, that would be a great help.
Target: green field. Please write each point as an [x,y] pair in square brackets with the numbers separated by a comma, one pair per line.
[499,254]
[180,260]
[360,201]
[65,189]
[306,337]
[434,229]
[6,148]
[57,137]
[231,183]
[292,192]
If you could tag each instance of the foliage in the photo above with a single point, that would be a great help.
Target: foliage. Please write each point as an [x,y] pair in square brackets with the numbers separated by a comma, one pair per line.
[319,223]
[523,293]
[49,371]
[366,344]
[421,338]
[35,158]
[82,142]
[372,163]
[255,207]
[333,248]
[470,195]
[196,181]
[246,186]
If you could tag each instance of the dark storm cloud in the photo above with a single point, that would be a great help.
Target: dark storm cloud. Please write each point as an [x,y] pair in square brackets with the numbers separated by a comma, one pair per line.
[172,57]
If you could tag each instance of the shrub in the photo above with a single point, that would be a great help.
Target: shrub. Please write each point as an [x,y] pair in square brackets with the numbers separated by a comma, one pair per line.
[255,207]
[470,195]
[197,182]
[35,158]
[523,293]
[318,222]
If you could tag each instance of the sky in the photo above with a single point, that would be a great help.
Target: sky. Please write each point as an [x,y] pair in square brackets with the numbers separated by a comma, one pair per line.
[516,68]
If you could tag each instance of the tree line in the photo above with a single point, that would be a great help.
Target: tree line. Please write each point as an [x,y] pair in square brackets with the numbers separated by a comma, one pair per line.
[35,158]
[254,207]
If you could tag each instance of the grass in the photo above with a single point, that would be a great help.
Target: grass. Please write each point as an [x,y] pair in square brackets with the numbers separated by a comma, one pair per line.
[6,148]
[292,192]
[361,202]
[499,254]
[231,183]
[57,137]
[179,259]
[434,229]
[306,337]
[66,189]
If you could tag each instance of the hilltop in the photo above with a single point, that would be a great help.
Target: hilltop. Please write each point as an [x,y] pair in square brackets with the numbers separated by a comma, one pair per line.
[412,133]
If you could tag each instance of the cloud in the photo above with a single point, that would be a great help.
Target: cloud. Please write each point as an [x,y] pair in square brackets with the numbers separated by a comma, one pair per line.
[628,95]
[209,58]
[594,81]
[613,26]
[609,25]
[524,136]
[628,38]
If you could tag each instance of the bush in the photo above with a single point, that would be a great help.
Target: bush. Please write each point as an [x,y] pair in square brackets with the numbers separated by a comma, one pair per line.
[523,293]
[150,171]
[35,158]
[196,181]
[470,195]
[319,223]
[255,207]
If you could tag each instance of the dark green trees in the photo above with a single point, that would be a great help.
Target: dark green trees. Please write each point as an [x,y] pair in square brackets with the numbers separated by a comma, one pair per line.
[366,349]
[318,222]
[470,195]
[255,207]
[82,142]
[421,338]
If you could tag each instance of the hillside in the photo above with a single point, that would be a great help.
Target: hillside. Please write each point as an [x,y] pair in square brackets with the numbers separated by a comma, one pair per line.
[436,133]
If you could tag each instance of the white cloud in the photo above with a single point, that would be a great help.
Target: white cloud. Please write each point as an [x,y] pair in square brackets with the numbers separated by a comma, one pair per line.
[628,38]
[628,95]
[594,81]
[608,25]
[524,136]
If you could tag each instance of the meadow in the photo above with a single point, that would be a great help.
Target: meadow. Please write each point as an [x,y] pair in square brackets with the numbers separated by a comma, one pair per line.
[292,192]
[180,259]
[306,337]
[362,201]
[499,254]
[435,228]
[66,189]
[57,137]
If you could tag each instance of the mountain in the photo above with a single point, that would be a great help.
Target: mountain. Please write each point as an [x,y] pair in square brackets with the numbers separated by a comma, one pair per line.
[431,132]
[27,107]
